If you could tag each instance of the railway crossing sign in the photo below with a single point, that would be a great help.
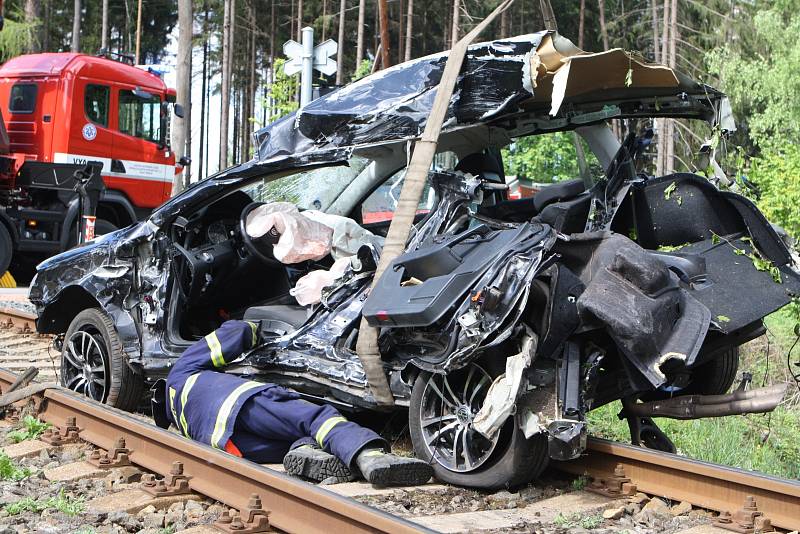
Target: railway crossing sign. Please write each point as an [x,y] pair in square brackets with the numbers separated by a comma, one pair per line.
[304,57]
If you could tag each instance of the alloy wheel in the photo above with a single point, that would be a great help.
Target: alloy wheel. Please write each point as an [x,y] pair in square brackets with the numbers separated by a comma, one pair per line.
[449,405]
[84,363]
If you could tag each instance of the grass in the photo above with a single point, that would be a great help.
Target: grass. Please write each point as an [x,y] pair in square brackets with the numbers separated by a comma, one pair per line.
[66,504]
[11,471]
[760,442]
[31,428]
[576,520]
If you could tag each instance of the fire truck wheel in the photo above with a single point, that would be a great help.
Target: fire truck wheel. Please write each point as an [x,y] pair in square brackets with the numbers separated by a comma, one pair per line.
[6,249]
[101,227]
[94,364]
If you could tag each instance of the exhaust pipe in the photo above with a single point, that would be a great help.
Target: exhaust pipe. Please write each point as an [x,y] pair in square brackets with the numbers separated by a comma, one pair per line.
[760,400]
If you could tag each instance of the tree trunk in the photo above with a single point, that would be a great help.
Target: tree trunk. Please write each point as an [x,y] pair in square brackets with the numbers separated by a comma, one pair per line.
[362,8]
[104,28]
[669,164]
[225,92]
[46,28]
[601,4]
[456,20]
[410,194]
[299,21]
[409,29]
[251,87]
[504,23]
[32,17]
[400,32]
[76,27]
[656,47]
[581,19]
[324,20]
[340,49]
[201,152]
[386,43]
[182,133]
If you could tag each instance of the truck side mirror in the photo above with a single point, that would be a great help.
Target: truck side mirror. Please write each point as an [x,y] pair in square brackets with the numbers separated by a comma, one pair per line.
[178,109]
[185,161]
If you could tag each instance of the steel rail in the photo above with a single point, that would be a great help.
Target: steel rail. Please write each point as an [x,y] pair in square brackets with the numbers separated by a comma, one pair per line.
[703,484]
[17,318]
[294,506]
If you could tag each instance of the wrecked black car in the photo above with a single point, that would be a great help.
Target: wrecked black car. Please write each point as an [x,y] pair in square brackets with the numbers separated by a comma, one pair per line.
[505,321]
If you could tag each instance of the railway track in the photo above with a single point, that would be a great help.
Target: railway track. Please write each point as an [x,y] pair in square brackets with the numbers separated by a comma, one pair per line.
[622,475]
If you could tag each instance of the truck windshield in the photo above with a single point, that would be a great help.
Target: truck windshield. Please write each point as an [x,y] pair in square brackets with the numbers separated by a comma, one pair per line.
[140,117]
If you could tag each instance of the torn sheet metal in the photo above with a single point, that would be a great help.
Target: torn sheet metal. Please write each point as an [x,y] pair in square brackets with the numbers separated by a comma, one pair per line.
[501,400]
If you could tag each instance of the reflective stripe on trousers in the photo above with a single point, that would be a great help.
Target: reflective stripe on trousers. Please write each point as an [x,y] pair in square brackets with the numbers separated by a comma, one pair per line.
[187,387]
[225,412]
[326,427]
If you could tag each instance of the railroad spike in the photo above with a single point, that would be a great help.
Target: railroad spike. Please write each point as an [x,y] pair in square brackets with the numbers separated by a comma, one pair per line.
[251,520]
[119,456]
[175,483]
[615,486]
[61,435]
[746,520]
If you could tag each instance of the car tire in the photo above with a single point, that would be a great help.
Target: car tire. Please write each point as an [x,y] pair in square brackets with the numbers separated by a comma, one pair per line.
[6,249]
[514,461]
[104,375]
[101,227]
[714,377]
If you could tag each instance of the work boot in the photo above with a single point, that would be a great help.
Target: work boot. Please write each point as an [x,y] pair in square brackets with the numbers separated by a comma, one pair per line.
[312,463]
[386,469]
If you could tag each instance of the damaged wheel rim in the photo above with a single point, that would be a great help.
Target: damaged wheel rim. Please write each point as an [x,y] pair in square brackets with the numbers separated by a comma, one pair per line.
[449,405]
[84,364]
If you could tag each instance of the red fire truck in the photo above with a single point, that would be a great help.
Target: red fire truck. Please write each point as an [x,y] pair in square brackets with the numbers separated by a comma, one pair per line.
[64,112]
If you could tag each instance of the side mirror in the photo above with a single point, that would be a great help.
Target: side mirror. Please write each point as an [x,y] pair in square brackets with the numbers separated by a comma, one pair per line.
[185,161]
[178,110]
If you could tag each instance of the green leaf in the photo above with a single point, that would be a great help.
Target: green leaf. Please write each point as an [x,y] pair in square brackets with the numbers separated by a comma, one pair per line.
[669,190]
[723,319]
[629,78]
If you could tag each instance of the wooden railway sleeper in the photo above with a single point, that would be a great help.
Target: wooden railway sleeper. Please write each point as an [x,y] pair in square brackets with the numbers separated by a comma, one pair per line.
[61,435]
[174,483]
[119,456]
[746,520]
[253,519]
[615,486]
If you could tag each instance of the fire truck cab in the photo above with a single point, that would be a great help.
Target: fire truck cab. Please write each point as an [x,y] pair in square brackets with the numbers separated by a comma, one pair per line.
[62,112]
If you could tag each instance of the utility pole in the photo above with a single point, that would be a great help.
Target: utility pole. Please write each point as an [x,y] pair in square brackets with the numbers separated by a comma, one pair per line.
[138,31]
[340,52]
[306,75]
[383,9]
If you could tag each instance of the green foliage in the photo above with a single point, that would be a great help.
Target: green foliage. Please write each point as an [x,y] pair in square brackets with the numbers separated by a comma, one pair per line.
[17,38]
[544,158]
[576,520]
[282,91]
[32,428]
[763,78]
[579,483]
[11,471]
[65,504]
[364,68]
[777,174]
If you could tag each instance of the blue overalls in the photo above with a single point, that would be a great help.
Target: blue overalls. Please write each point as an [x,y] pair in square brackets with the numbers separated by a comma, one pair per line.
[258,421]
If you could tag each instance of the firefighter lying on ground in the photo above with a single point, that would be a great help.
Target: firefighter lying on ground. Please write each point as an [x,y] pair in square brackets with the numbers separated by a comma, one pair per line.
[267,423]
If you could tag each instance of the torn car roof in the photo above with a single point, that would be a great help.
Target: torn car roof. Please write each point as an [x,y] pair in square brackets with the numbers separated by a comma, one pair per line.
[541,76]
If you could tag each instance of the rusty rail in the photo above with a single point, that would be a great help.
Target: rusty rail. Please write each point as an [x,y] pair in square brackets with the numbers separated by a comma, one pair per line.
[14,318]
[711,486]
[294,506]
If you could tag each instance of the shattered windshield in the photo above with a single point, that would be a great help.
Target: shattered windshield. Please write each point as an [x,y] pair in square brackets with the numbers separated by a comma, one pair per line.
[309,190]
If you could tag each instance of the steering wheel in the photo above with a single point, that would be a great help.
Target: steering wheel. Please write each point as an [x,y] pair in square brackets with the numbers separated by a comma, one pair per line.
[260,247]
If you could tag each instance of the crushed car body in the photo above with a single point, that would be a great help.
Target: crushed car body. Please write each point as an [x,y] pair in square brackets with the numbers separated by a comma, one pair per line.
[505,321]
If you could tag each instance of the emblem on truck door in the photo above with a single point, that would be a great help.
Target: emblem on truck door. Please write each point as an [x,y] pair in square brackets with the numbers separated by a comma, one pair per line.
[89,131]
